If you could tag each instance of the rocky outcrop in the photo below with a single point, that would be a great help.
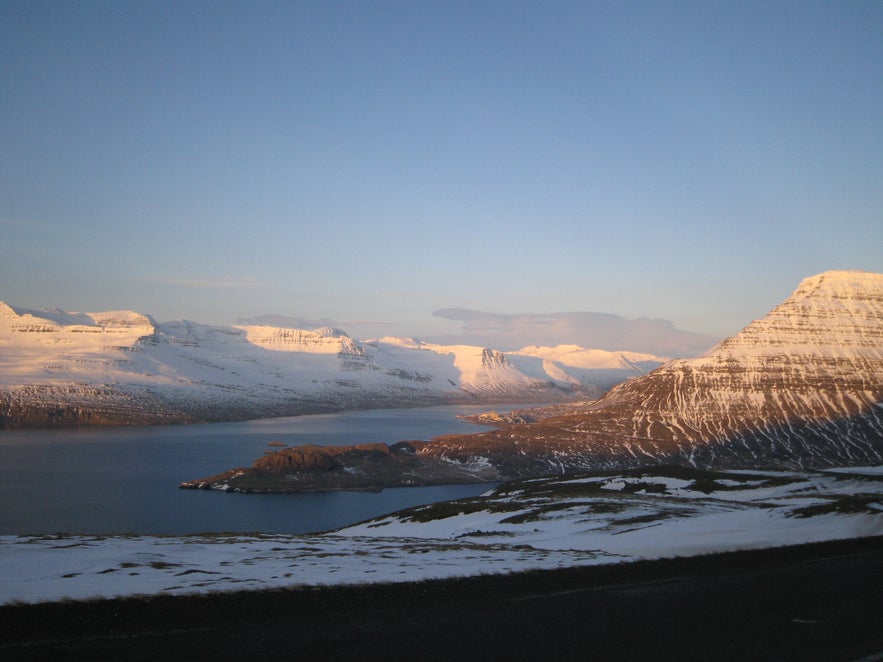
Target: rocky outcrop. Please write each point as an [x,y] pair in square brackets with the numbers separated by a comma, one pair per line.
[318,458]
[800,388]
[311,468]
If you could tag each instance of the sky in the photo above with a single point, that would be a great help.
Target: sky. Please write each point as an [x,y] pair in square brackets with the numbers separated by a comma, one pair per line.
[677,165]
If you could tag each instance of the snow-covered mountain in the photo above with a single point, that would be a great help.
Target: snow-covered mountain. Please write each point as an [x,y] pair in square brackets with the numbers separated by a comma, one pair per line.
[800,388]
[585,367]
[61,368]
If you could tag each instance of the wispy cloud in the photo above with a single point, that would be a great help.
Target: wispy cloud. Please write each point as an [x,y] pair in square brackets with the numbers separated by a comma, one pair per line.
[14,222]
[291,322]
[218,283]
[29,224]
[593,330]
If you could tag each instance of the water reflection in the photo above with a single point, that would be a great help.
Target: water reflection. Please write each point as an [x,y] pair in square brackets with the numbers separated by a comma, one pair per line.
[124,480]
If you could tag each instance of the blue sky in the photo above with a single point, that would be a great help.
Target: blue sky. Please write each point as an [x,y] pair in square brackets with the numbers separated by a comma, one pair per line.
[373,162]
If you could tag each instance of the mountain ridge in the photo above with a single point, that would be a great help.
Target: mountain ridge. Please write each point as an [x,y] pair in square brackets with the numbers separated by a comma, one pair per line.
[123,367]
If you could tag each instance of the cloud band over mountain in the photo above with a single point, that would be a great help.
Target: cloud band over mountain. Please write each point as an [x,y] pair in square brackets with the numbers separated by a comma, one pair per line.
[512,331]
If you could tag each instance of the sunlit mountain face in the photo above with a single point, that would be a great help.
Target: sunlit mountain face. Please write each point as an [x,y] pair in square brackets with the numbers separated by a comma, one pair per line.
[59,368]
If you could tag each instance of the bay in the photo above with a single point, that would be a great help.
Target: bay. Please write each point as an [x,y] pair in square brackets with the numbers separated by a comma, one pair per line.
[119,480]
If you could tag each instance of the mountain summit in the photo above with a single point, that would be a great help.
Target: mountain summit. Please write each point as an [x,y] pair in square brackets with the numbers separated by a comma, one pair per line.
[802,387]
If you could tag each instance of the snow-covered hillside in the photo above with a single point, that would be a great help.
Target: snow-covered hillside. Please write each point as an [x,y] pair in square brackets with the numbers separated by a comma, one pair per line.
[532,524]
[577,365]
[123,367]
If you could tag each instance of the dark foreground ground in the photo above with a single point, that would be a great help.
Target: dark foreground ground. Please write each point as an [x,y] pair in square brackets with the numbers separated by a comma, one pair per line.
[813,602]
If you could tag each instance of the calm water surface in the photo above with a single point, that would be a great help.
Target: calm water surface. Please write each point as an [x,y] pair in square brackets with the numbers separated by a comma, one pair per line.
[125,480]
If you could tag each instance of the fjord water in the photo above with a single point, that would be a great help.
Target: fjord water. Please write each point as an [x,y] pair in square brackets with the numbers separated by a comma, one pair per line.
[125,479]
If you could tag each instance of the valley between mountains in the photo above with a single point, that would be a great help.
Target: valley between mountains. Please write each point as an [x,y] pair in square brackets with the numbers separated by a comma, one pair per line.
[800,388]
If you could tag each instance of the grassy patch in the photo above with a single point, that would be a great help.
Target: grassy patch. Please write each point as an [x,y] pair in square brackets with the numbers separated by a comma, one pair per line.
[643,486]
[486,534]
[593,483]
[541,511]
[643,519]
[709,485]
[444,509]
[600,507]
[845,505]
[552,487]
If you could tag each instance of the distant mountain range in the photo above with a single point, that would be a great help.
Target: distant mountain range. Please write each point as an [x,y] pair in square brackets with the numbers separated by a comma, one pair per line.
[123,367]
[800,388]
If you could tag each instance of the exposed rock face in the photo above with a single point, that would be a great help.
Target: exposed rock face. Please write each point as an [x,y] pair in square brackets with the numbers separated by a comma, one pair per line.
[493,359]
[800,388]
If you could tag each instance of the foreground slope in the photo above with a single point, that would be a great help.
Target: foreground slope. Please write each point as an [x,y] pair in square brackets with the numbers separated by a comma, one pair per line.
[800,388]
[825,606]
[59,368]
[589,519]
